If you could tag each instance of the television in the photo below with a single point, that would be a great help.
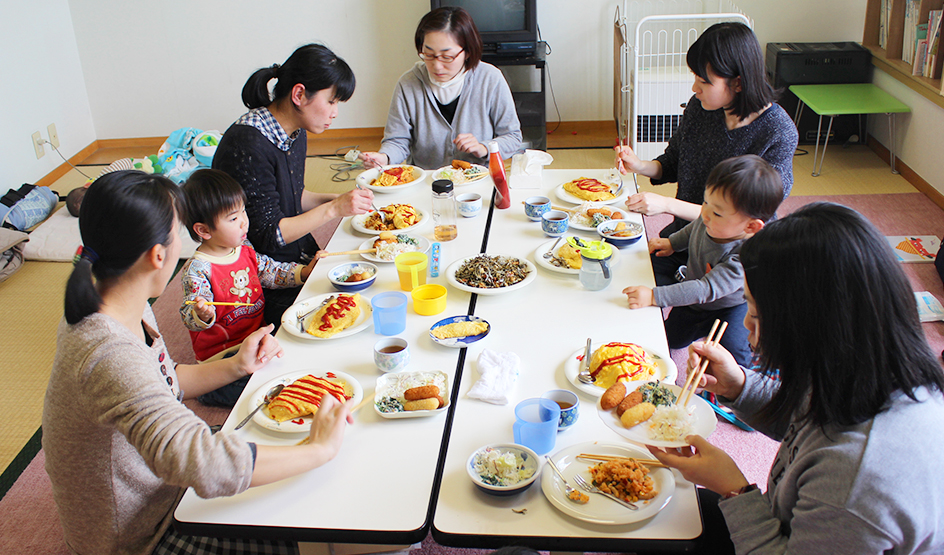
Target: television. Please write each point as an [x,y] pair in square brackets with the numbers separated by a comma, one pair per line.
[508,27]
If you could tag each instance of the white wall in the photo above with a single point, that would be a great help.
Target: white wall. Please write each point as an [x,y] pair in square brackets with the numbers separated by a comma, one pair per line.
[42,84]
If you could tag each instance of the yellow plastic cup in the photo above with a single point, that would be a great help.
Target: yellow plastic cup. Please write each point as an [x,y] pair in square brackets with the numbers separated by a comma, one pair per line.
[429,299]
[411,269]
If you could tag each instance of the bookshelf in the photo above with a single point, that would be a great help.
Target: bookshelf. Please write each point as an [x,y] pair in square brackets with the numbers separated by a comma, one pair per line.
[889,59]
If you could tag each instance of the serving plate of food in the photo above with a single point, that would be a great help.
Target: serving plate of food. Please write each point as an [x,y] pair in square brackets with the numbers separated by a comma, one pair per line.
[564,258]
[387,251]
[459,331]
[653,417]
[616,358]
[392,178]
[655,487]
[589,215]
[291,411]
[485,274]
[608,190]
[461,173]
[411,394]
[299,318]
[399,218]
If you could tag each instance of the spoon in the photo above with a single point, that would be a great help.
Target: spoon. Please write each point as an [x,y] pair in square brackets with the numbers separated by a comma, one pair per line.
[584,375]
[271,394]
[568,489]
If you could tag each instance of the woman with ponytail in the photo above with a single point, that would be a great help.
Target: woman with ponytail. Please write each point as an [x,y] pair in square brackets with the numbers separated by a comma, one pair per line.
[120,446]
[265,152]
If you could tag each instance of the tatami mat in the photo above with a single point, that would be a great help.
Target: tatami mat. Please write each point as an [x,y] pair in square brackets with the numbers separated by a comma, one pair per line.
[32,297]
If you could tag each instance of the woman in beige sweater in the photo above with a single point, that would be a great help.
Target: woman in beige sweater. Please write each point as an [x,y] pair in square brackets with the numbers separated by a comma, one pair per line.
[120,446]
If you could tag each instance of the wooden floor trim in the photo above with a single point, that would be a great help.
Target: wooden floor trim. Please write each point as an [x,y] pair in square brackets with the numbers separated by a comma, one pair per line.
[905,171]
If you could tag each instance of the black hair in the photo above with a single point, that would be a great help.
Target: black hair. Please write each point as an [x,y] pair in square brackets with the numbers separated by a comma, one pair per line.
[750,184]
[210,194]
[74,200]
[313,65]
[732,50]
[837,317]
[456,22]
[123,214]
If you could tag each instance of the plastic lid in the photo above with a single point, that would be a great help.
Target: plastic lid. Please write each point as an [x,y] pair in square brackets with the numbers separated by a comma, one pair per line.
[442,186]
[492,146]
[594,250]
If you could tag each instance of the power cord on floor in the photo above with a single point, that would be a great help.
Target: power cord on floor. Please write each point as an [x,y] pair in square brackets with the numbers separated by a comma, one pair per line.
[45,142]
[347,163]
[550,82]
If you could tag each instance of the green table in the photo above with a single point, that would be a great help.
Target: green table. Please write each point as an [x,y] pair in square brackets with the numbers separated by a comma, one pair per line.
[854,98]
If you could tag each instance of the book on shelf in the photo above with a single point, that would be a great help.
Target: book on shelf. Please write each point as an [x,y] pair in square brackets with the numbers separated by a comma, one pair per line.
[909,34]
[921,54]
[931,67]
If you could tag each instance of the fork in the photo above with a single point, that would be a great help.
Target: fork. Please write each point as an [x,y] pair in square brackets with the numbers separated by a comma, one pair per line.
[590,488]
[301,318]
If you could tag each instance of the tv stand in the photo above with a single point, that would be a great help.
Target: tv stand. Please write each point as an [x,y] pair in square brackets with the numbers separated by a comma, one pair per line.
[525,77]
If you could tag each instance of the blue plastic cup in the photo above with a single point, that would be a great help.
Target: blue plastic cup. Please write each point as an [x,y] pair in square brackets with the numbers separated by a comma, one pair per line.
[389,312]
[536,424]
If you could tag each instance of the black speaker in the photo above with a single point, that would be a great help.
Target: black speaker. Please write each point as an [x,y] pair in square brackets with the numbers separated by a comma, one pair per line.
[791,63]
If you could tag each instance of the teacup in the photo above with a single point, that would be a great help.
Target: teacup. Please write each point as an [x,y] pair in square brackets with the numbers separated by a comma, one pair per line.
[569,405]
[470,204]
[392,354]
[554,223]
[535,207]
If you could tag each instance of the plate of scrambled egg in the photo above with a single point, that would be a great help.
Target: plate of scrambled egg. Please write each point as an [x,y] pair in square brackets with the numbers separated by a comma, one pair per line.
[565,259]
[391,179]
[620,361]
[459,331]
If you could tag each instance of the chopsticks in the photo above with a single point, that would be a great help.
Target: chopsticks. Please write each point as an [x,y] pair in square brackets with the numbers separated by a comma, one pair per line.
[561,208]
[367,400]
[607,458]
[221,303]
[358,251]
[695,377]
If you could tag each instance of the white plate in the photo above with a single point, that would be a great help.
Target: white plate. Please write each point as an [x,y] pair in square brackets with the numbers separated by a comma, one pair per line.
[705,420]
[292,426]
[665,371]
[367,176]
[448,172]
[369,244]
[567,197]
[290,317]
[546,264]
[459,342]
[357,222]
[454,267]
[600,509]
[394,384]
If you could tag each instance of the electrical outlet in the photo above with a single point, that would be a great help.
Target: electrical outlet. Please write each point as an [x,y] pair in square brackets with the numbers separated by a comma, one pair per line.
[38,145]
[53,135]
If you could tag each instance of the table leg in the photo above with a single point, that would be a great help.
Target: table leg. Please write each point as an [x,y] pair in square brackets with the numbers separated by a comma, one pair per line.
[891,141]
[798,113]
[829,130]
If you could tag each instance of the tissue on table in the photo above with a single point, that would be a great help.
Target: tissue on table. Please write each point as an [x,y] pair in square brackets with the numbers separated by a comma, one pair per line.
[498,373]
[526,169]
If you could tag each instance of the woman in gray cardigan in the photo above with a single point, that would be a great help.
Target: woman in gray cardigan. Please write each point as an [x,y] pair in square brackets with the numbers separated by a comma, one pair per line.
[450,104]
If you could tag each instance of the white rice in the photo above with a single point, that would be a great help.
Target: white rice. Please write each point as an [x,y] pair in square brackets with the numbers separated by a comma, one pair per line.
[389,251]
[671,423]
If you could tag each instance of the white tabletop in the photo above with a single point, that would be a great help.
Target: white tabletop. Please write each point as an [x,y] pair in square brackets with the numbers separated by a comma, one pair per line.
[382,486]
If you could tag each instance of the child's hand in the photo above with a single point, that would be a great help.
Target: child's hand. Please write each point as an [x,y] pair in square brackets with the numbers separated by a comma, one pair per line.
[306,271]
[660,246]
[205,312]
[257,350]
[639,296]
[321,254]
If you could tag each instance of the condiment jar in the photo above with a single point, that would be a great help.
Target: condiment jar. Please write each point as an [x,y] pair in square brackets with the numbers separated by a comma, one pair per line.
[496,168]
[444,210]
[595,267]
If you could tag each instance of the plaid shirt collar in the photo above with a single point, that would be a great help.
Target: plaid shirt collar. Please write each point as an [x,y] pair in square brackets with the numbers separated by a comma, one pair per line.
[263,120]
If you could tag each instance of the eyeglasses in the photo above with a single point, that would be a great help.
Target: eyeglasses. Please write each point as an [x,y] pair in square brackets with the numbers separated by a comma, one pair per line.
[444,58]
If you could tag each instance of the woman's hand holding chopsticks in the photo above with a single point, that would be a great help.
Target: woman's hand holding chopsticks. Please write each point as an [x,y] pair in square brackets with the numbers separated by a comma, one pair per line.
[723,376]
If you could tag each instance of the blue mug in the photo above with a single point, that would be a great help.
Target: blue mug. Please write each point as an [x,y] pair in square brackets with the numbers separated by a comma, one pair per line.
[535,207]
[554,222]
[536,424]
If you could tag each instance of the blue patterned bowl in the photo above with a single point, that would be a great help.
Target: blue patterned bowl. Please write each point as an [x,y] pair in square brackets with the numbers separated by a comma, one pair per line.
[339,273]
[569,404]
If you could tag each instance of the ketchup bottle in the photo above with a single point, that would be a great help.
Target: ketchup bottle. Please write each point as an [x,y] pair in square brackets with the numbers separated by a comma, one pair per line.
[497,169]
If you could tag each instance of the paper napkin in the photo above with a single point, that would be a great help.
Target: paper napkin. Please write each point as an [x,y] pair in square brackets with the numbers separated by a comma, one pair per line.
[498,373]
[526,169]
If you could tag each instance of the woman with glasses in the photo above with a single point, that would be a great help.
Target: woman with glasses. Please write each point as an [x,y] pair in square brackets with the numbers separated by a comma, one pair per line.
[450,104]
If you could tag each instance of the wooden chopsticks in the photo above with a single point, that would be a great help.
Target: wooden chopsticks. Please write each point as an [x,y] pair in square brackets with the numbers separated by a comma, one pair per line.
[358,251]
[691,384]
[606,458]
[561,208]
[221,303]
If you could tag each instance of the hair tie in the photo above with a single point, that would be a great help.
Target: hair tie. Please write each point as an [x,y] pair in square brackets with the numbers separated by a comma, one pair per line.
[275,69]
[86,253]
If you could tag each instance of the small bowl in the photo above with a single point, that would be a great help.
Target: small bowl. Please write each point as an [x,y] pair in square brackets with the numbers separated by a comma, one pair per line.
[470,204]
[606,231]
[429,299]
[530,461]
[554,223]
[341,271]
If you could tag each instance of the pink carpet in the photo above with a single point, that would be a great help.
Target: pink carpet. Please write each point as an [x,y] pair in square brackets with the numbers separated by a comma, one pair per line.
[30,525]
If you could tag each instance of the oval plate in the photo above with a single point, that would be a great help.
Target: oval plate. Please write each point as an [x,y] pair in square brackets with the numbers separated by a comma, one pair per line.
[291,324]
[546,264]
[395,383]
[458,177]
[567,197]
[665,372]
[451,277]
[369,244]
[357,222]
[367,176]
[294,426]
[599,509]
[705,421]
[459,342]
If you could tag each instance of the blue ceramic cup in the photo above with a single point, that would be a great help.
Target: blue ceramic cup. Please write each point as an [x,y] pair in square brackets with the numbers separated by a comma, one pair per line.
[536,424]
[535,207]
[569,405]
[389,312]
[554,222]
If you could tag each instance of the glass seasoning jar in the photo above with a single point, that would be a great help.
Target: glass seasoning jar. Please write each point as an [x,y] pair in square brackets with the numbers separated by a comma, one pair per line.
[444,210]
[595,263]
[496,168]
